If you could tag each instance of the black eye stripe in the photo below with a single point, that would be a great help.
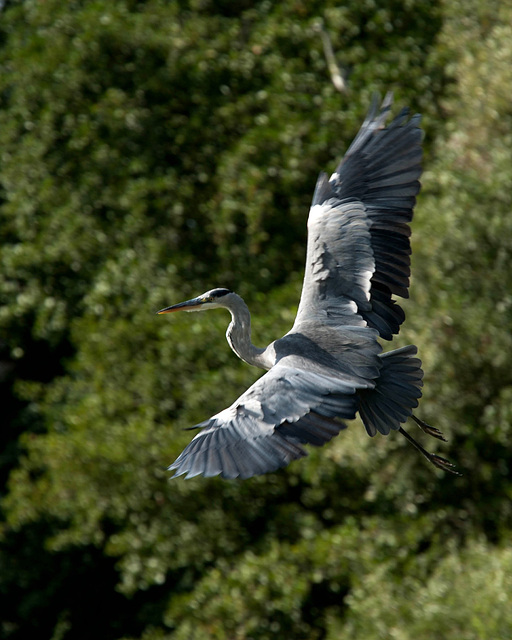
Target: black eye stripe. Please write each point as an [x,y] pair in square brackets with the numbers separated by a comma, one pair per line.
[218,293]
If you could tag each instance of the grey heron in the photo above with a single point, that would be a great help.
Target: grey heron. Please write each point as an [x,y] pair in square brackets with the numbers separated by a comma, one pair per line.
[330,365]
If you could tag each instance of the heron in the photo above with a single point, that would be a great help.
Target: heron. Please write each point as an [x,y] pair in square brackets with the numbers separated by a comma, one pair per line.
[330,365]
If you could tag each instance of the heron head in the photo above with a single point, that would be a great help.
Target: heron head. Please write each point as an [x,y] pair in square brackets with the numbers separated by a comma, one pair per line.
[212,299]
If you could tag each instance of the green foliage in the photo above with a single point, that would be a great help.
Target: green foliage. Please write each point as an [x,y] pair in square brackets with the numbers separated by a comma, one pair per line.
[152,150]
[466,596]
[462,269]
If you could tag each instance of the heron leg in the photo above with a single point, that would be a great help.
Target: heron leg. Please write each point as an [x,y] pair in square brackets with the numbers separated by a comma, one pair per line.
[426,428]
[437,461]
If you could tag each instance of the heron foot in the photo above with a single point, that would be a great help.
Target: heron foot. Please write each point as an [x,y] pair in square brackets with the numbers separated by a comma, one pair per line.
[429,429]
[443,463]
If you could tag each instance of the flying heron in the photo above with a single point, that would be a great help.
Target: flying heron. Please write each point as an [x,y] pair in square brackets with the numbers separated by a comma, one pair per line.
[330,365]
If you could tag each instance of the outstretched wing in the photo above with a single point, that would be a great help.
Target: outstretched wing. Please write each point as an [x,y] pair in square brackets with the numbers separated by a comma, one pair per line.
[358,252]
[265,428]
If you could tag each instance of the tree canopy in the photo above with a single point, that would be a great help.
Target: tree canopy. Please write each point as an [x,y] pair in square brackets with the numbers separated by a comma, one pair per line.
[151,150]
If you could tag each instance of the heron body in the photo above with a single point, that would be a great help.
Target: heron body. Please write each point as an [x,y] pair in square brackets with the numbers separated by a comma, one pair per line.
[330,365]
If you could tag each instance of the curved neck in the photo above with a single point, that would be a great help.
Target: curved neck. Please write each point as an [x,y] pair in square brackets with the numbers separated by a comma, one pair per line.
[238,334]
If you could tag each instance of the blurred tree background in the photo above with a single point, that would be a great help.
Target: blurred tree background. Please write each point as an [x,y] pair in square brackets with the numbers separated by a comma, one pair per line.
[150,150]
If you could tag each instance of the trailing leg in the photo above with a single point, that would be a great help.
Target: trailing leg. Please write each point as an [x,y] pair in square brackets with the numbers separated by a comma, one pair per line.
[437,461]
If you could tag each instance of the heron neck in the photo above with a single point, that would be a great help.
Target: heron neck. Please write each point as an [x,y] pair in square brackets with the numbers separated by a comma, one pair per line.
[238,335]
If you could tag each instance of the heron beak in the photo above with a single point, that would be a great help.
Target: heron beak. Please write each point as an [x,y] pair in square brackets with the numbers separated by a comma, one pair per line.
[188,305]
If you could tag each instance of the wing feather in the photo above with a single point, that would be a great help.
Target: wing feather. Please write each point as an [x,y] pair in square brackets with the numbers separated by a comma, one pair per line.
[311,429]
[358,228]
[264,429]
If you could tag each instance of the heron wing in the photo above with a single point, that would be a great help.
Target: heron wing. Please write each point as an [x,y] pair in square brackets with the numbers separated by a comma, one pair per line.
[358,253]
[265,427]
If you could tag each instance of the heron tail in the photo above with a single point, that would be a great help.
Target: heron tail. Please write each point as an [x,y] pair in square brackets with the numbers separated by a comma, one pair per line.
[396,393]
